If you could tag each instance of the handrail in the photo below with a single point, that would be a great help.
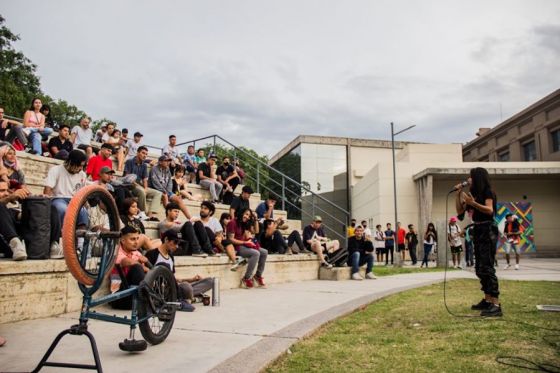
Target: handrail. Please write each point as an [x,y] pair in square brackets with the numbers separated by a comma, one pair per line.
[270,168]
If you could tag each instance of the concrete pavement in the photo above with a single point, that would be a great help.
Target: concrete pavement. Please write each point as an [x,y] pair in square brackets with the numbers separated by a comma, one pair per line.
[248,330]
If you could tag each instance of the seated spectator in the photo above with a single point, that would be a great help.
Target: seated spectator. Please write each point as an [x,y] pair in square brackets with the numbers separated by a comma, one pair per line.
[187,288]
[228,246]
[133,145]
[49,121]
[11,130]
[240,171]
[360,252]
[241,202]
[129,217]
[190,163]
[200,158]
[10,218]
[315,240]
[81,136]
[124,140]
[132,263]
[379,243]
[195,239]
[61,146]
[9,167]
[63,181]
[103,159]
[180,184]
[160,179]
[227,176]
[100,132]
[112,137]
[240,234]
[34,122]
[137,166]
[206,177]
[272,239]
[173,153]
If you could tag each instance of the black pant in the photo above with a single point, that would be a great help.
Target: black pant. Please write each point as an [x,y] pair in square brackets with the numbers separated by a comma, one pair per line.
[484,240]
[412,252]
[296,237]
[195,239]
[389,250]
[227,197]
[134,276]
[275,244]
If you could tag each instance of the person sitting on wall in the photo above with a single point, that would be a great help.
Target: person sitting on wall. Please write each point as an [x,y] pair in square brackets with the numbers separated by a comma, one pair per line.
[129,216]
[34,123]
[97,162]
[360,252]
[110,138]
[240,203]
[140,190]
[61,145]
[195,239]
[161,179]
[187,289]
[81,136]
[314,239]
[206,177]
[229,179]
[11,130]
[190,163]
[10,171]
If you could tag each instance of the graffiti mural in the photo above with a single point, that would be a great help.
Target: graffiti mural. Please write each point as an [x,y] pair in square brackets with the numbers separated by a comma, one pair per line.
[524,212]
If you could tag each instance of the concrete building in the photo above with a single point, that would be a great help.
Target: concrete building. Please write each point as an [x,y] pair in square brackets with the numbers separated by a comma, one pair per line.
[530,135]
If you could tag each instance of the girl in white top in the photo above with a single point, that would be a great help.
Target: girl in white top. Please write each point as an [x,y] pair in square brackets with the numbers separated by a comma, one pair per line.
[34,125]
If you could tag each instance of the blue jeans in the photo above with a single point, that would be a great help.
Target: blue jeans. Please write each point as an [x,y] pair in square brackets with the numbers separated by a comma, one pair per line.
[427,249]
[61,204]
[357,260]
[35,137]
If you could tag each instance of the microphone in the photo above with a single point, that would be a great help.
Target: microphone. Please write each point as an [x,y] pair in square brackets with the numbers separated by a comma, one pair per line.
[459,187]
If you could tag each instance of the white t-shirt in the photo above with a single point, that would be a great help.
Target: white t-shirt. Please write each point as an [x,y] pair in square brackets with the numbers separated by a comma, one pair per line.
[455,232]
[64,184]
[379,239]
[132,148]
[367,233]
[212,223]
[83,136]
[171,151]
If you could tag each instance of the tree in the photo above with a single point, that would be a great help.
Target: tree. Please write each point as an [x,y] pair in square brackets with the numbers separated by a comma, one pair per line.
[18,77]
[63,112]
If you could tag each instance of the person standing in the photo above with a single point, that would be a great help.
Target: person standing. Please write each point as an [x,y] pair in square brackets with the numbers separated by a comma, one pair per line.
[454,237]
[411,239]
[401,247]
[389,243]
[481,201]
[430,240]
[367,231]
[379,243]
[512,231]
[468,246]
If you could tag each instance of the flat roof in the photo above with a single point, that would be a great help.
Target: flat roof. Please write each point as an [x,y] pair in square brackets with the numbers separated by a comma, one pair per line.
[553,170]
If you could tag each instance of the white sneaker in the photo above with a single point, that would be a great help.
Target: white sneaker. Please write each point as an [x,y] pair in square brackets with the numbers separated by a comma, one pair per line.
[356,276]
[56,251]
[240,261]
[507,266]
[516,267]
[370,276]
[18,249]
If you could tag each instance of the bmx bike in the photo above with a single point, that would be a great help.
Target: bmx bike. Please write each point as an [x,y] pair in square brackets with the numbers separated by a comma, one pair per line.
[90,236]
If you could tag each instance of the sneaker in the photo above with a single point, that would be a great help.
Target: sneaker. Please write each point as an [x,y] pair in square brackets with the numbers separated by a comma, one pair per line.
[236,265]
[495,310]
[459,267]
[326,265]
[56,251]
[142,216]
[370,276]
[356,276]
[259,281]
[200,255]
[516,267]
[482,305]
[152,218]
[18,249]
[186,306]
[247,283]
[507,266]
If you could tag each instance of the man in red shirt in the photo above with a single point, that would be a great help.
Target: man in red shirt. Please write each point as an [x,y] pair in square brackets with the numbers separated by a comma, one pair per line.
[401,247]
[103,159]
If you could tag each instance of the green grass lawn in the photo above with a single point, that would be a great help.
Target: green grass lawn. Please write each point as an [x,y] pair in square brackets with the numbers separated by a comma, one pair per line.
[412,332]
[390,270]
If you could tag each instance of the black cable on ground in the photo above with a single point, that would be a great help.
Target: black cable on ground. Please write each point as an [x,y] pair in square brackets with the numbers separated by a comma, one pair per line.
[505,360]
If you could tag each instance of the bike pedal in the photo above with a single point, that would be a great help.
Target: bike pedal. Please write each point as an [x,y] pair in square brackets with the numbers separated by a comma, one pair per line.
[133,345]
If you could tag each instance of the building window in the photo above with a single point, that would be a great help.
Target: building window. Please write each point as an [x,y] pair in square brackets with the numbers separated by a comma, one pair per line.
[503,156]
[530,151]
[555,140]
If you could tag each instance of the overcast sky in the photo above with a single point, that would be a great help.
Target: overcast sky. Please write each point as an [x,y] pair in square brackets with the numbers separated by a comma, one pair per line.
[259,72]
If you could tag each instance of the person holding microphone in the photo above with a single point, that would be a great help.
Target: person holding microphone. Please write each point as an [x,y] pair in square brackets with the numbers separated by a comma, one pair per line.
[480,203]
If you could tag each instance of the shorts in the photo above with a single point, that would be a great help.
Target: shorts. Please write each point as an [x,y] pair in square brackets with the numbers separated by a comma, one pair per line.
[190,169]
[456,249]
[509,246]
[379,250]
[400,247]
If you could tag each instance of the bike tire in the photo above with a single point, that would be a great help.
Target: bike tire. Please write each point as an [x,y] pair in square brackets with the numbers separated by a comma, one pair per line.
[86,270]
[161,281]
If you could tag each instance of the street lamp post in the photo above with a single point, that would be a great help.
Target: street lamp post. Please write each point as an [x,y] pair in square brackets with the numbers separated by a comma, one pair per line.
[397,261]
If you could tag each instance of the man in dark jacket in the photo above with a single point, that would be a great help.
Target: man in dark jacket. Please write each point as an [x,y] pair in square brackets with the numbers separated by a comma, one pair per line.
[360,252]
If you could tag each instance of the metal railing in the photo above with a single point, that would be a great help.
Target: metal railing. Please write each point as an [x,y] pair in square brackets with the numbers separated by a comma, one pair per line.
[289,191]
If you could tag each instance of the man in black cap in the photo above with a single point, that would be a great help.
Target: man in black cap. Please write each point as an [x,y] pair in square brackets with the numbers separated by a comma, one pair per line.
[206,177]
[160,179]
[241,202]
[133,145]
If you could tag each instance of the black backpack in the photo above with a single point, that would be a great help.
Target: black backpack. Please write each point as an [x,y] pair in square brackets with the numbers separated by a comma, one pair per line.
[36,226]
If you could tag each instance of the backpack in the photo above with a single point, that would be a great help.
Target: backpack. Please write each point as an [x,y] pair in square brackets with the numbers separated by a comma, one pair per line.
[36,226]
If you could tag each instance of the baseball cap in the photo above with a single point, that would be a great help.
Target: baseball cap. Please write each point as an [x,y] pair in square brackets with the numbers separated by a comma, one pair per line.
[317,218]
[106,170]
[164,157]
[107,146]
[171,235]
[138,134]
[453,219]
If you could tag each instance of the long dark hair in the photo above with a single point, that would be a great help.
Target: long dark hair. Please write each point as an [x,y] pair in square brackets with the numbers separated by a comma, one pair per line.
[224,216]
[431,225]
[126,204]
[480,182]
[31,108]
[240,223]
